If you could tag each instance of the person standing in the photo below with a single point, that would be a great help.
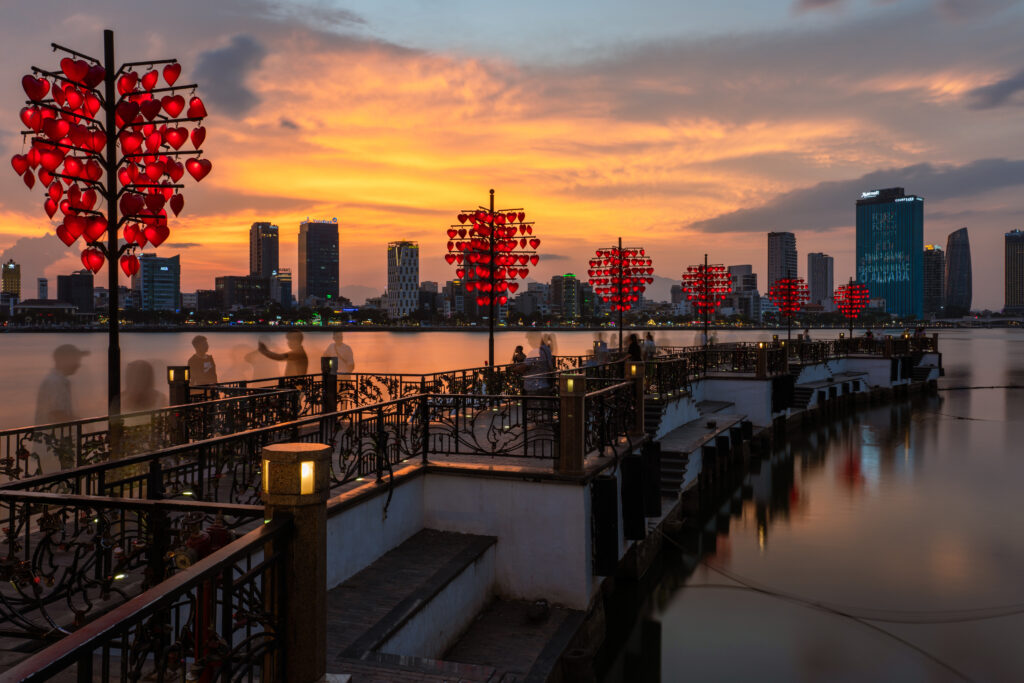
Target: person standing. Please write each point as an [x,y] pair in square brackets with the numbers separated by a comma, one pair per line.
[53,405]
[201,367]
[295,358]
[650,348]
[634,351]
[343,352]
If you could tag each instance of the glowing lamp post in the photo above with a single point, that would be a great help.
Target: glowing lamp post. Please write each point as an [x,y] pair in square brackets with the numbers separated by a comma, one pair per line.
[620,276]
[491,250]
[789,294]
[706,286]
[851,299]
[105,148]
[296,483]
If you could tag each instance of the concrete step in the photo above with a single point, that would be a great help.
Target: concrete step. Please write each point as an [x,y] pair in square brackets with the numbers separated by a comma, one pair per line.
[414,601]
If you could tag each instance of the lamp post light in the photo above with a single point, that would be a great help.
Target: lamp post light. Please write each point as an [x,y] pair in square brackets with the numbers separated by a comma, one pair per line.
[105,144]
[489,254]
[178,384]
[620,276]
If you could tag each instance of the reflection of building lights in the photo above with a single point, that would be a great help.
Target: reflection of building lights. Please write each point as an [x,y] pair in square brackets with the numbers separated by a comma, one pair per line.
[762,537]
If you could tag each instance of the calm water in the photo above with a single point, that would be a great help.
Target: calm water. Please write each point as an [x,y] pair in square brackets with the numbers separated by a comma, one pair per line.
[909,514]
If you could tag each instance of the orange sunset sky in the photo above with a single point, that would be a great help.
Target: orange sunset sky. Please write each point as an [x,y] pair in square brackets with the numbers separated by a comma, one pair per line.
[683,127]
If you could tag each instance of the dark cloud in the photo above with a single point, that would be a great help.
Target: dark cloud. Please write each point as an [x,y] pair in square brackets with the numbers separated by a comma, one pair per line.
[829,205]
[807,5]
[395,208]
[288,123]
[35,254]
[996,94]
[223,73]
[554,257]
[183,245]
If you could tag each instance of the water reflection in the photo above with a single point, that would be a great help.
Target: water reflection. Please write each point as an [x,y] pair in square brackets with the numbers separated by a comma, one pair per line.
[900,517]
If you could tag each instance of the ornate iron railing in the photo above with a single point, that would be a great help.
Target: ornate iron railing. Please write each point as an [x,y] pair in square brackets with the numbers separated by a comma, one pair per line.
[511,426]
[27,451]
[610,418]
[68,558]
[217,621]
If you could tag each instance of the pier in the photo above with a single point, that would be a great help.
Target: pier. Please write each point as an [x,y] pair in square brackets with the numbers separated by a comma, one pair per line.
[472,519]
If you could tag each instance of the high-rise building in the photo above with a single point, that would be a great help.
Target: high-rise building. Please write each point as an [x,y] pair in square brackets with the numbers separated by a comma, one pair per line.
[676,294]
[12,279]
[820,282]
[934,274]
[1014,273]
[890,248]
[403,278]
[242,291]
[565,296]
[281,287]
[958,274]
[782,261]
[319,259]
[157,285]
[264,254]
[744,298]
[77,289]
[42,288]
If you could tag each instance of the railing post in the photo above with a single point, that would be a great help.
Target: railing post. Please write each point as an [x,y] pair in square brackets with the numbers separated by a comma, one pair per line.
[329,383]
[425,421]
[888,346]
[572,390]
[381,443]
[296,482]
[762,361]
[635,374]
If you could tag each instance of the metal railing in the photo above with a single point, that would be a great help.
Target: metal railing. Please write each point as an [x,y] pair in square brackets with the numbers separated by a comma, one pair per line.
[217,621]
[610,418]
[69,558]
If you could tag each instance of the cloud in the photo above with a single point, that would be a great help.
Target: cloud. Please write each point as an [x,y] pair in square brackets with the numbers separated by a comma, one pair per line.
[544,256]
[288,123]
[223,73]
[809,5]
[829,205]
[996,94]
[182,245]
[35,255]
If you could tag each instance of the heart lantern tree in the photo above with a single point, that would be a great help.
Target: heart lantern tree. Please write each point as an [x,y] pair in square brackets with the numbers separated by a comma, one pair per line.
[851,299]
[109,146]
[620,276]
[492,251]
[789,294]
[706,287]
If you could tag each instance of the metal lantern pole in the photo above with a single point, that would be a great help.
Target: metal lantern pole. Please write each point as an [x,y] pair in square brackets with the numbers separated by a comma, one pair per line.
[621,306]
[110,169]
[493,292]
[707,309]
[849,289]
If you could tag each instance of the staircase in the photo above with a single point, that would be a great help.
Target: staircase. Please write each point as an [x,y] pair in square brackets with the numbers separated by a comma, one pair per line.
[920,373]
[802,396]
[653,411]
[673,472]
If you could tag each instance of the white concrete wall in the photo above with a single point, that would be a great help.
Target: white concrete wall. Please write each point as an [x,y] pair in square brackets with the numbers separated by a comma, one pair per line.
[677,413]
[752,397]
[362,533]
[877,370]
[437,626]
[543,531]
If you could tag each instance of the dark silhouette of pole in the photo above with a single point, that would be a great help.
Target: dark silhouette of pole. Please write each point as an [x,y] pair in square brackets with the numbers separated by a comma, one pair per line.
[620,295]
[493,294]
[849,289]
[110,168]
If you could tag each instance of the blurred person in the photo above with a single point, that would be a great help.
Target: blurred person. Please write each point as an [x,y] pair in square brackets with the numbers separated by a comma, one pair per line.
[343,352]
[261,367]
[633,349]
[53,400]
[201,367]
[518,356]
[649,349]
[140,388]
[295,358]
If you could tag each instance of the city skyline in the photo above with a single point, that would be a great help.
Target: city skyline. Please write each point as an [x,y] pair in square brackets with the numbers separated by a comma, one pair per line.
[677,155]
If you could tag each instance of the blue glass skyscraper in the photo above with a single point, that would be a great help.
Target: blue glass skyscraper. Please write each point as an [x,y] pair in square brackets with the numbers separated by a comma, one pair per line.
[890,249]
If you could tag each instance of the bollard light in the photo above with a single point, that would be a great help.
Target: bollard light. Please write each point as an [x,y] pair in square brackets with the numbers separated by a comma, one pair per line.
[296,473]
[634,368]
[775,337]
[177,373]
[842,334]
[760,345]
[568,384]
[329,365]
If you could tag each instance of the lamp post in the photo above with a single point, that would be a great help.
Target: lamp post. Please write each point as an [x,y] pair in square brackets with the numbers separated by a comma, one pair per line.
[851,299]
[78,116]
[706,286]
[620,276]
[789,294]
[489,255]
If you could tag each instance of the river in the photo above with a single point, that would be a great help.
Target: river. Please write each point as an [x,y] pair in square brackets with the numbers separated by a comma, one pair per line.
[883,546]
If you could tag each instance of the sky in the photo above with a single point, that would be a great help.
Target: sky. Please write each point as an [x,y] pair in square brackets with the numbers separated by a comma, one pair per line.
[686,128]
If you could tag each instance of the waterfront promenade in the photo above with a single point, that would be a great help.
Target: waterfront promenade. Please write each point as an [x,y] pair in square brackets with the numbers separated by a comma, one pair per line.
[523,464]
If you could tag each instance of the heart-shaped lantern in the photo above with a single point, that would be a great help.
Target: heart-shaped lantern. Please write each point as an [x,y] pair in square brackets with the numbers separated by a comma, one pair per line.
[198,168]
[130,264]
[92,259]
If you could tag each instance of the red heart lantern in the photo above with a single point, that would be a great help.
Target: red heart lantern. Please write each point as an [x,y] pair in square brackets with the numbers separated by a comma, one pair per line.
[95,226]
[20,163]
[149,79]
[29,180]
[65,235]
[198,135]
[35,88]
[176,137]
[196,110]
[127,82]
[151,108]
[92,259]
[156,234]
[50,206]
[177,203]
[198,168]
[171,73]
[173,105]
[130,262]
